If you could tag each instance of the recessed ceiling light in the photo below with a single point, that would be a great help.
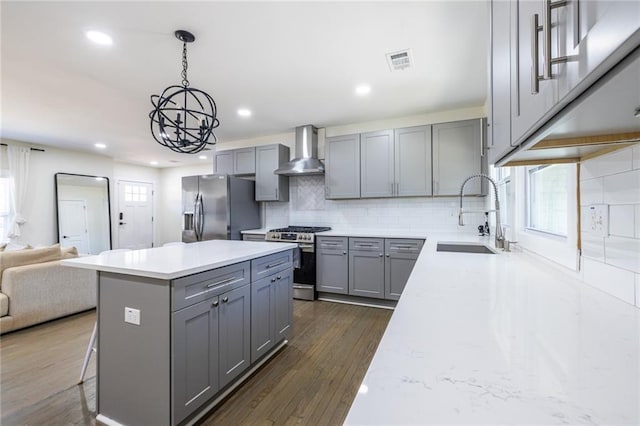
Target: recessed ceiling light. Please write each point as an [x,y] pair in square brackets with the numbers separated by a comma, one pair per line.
[363,89]
[153,163]
[203,157]
[243,112]
[100,145]
[99,38]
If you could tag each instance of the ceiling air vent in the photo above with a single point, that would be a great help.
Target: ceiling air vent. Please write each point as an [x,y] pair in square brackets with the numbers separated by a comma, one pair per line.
[399,60]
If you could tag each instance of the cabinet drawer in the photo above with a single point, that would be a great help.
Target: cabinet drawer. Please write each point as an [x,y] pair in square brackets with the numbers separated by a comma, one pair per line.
[403,246]
[267,265]
[253,237]
[198,287]
[331,243]
[366,244]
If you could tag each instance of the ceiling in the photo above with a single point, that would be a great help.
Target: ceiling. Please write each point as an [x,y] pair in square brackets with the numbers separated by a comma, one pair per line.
[290,63]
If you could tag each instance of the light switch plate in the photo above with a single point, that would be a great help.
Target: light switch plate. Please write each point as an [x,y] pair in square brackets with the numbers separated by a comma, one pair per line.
[132,316]
[598,220]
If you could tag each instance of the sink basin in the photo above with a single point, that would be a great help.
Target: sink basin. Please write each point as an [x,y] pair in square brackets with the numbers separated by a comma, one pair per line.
[465,248]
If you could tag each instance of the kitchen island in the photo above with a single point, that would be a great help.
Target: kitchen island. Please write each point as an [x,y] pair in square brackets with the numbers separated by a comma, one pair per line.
[180,327]
[502,339]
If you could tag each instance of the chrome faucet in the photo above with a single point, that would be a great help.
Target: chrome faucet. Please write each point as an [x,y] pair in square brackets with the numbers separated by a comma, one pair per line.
[499,237]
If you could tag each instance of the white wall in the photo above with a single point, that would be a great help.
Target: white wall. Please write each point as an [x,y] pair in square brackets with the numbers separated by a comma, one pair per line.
[611,260]
[40,206]
[169,201]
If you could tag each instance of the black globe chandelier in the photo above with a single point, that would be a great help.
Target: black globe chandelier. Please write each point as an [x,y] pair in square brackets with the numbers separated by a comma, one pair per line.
[183,118]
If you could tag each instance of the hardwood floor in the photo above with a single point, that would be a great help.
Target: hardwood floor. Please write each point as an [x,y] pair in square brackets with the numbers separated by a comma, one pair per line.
[313,380]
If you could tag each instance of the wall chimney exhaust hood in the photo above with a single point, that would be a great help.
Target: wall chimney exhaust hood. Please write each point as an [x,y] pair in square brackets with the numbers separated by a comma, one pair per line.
[306,160]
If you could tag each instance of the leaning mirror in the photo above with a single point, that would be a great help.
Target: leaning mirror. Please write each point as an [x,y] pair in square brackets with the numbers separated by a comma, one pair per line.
[83,212]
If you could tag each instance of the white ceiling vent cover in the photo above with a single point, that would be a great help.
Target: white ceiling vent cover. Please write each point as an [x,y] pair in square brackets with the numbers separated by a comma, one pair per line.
[399,60]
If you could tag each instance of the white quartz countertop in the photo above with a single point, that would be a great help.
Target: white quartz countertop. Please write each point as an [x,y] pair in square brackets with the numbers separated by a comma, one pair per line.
[502,339]
[180,260]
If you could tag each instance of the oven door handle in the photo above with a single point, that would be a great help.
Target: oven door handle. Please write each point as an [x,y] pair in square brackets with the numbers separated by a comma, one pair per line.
[307,248]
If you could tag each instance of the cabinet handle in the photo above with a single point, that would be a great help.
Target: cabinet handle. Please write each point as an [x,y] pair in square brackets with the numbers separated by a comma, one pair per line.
[344,252]
[273,280]
[276,193]
[482,129]
[546,34]
[225,299]
[225,282]
[380,255]
[388,255]
[216,303]
[273,265]
[279,277]
[535,78]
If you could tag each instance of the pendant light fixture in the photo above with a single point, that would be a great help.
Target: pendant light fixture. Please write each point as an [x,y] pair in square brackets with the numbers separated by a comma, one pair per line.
[183,117]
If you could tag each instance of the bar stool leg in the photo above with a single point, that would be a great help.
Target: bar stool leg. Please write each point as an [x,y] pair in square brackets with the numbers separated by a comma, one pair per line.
[90,349]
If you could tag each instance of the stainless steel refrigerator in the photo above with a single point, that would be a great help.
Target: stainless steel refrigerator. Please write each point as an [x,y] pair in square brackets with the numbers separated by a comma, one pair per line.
[218,207]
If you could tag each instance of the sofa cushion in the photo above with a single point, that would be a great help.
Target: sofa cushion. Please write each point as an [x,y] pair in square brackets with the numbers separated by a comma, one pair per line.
[28,257]
[4,304]
[69,252]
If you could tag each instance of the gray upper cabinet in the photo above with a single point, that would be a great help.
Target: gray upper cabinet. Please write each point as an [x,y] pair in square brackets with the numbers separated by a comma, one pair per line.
[342,167]
[235,333]
[554,51]
[531,97]
[235,161]
[269,186]
[499,129]
[366,267]
[332,265]
[376,164]
[591,32]
[223,162]
[457,154]
[412,161]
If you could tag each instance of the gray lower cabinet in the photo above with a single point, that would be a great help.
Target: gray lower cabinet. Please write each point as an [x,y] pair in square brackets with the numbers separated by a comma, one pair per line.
[269,186]
[271,312]
[211,347]
[195,357]
[332,265]
[234,333]
[400,258]
[366,267]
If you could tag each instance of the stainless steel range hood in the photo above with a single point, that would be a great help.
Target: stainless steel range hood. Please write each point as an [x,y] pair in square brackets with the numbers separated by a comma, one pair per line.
[306,154]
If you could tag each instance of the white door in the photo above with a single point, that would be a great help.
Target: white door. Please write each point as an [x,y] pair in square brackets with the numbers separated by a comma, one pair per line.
[73,225]
[135,215]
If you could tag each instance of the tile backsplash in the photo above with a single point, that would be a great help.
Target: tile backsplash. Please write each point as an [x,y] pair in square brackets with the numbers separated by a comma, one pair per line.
[611,251]
[309,207]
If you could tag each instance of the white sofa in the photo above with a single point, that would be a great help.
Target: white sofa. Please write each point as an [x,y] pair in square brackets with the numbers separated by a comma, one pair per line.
[35,288]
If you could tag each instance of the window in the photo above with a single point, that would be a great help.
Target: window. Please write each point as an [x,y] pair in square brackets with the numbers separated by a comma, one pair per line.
[4,207]
[135,193]
[547,198]
[505,195]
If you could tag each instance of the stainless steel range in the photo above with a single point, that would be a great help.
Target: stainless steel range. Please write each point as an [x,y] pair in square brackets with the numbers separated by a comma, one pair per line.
[304,274]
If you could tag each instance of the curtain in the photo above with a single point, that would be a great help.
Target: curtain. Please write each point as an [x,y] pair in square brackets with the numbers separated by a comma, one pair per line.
[18,161]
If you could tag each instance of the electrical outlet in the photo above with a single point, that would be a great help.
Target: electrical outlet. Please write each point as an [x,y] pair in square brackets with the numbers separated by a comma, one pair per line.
[132,316]
[598,220]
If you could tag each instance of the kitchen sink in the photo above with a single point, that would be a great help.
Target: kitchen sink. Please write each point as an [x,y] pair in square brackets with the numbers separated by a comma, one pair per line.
[465,248]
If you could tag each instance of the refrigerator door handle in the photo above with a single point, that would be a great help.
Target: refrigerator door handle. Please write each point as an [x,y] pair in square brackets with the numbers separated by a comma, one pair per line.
[201,217]
[195,220]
